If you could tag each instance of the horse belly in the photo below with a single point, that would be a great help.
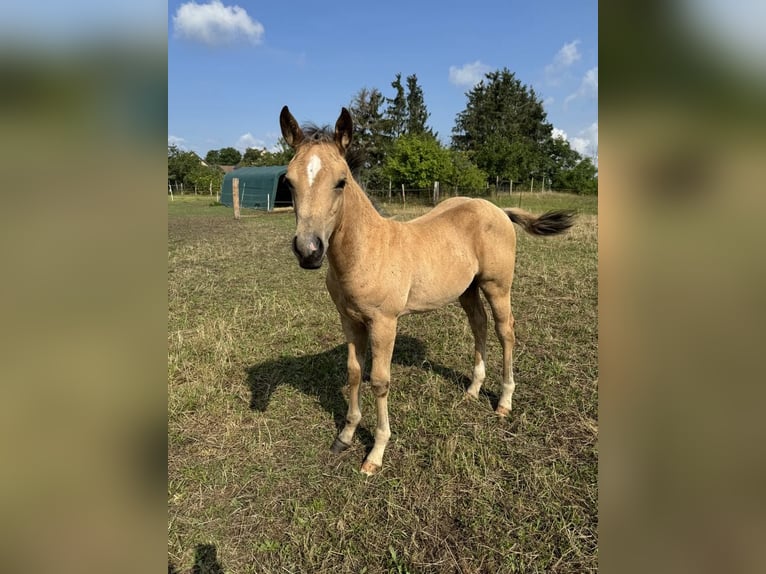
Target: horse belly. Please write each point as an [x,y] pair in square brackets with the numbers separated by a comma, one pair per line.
[428,294]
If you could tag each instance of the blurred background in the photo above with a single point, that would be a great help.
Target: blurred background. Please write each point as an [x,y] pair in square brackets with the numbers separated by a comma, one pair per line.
[681,284]
[83,298]
[83,112]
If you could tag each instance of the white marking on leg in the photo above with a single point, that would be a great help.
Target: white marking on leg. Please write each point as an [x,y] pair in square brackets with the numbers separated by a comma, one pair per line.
[382,433]
[479,374]
[507,394]
[315,164]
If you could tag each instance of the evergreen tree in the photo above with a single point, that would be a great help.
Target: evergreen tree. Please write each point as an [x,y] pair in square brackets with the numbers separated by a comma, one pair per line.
[504,127]
[370,134]
[417,114]
[396,112]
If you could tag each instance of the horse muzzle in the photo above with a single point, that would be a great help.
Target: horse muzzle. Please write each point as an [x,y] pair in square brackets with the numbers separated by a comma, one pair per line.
[309,250]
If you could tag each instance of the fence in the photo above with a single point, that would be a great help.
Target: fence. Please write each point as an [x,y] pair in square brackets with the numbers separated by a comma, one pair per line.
[432,196]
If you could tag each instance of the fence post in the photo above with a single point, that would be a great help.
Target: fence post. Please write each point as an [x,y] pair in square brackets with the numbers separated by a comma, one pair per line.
[404,198]
[170,189]
[235,196]
[389,190]
[510,189]
[532,185]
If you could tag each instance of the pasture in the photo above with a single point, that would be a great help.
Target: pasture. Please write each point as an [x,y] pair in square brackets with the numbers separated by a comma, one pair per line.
[256,370]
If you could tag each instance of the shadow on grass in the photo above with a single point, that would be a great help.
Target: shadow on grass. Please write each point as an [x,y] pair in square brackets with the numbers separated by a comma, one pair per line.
[205,561]
[323,375]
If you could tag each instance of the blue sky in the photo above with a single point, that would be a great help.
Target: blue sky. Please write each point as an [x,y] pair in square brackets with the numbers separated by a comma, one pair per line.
[233,64]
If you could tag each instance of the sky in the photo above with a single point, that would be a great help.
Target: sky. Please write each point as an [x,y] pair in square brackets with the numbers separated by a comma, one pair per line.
[233,64]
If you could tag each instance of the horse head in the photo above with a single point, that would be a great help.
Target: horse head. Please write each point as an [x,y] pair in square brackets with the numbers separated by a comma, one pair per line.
[316,176]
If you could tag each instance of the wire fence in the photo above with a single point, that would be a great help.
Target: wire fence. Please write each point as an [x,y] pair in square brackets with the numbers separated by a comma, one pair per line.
[413,195]
[432,196]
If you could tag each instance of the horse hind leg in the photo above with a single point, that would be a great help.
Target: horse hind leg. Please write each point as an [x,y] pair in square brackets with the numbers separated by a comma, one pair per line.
[477,318]
[500,302]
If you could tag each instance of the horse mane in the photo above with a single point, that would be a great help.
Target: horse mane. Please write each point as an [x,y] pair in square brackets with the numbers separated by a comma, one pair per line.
[315,134]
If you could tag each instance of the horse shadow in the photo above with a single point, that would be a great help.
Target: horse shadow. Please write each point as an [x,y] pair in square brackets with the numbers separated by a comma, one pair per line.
[323,376]
[205,561]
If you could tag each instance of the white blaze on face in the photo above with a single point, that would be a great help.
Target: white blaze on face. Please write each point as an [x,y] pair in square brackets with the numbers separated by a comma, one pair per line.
[314,165]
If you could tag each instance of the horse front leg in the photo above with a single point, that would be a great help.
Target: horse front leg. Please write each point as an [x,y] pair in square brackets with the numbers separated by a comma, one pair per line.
[383,335]
[356,336]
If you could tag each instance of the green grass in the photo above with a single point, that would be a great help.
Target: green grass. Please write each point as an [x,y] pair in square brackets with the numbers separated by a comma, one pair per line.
[256,369]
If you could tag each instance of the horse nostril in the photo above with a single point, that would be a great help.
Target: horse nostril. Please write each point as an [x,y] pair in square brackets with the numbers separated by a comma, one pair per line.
[311,247]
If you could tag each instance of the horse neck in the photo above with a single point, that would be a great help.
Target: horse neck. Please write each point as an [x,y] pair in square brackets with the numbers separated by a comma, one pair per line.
[358,220]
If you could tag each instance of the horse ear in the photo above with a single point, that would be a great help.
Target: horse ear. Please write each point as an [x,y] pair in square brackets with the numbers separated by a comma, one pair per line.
[344,128]
[291,131]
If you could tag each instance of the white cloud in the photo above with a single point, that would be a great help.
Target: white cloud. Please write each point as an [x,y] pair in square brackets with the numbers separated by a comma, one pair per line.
[565,57]
[586,142]
[176,141]
[588,87]
[248,140]
[469,74]
[581,146]
[216,24]
[560,134]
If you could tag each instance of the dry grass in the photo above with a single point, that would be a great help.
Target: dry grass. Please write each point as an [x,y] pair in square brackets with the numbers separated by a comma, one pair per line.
[255,374]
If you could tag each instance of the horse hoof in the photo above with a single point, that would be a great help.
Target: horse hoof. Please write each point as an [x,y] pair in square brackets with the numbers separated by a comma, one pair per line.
[471,396]
[369,468]
[502,411]
[338,446]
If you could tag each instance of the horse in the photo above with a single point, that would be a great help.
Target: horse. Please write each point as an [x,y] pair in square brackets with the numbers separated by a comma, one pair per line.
[381,269]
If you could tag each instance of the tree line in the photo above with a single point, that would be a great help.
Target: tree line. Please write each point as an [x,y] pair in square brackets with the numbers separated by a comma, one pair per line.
[501,135]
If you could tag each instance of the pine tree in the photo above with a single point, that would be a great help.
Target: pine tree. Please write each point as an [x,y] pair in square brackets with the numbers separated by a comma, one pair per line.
[417,114]
[396,112]
[505,128]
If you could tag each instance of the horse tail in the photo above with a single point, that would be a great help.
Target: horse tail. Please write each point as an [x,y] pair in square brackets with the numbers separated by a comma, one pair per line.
[550,223]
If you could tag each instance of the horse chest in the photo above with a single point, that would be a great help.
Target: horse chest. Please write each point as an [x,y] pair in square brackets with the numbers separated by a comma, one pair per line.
[363,298]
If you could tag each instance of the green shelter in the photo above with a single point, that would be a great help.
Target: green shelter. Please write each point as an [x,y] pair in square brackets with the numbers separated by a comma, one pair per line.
[259,187]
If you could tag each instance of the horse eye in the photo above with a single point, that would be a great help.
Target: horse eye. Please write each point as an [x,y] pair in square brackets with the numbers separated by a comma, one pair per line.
[341,184]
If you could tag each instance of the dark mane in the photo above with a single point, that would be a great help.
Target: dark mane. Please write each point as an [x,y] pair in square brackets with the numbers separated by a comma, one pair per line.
[315,134]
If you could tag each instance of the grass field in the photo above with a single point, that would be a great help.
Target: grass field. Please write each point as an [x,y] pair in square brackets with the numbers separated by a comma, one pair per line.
[256,370]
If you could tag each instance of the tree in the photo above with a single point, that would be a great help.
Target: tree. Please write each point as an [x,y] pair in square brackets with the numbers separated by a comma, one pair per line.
[370,133]
[417,160]
[180,165]
[417,114]
[213,157]
[252,156]
[504,126]
[281,155]
[463,174]
[229,156]
[204,178]
[582,178]
[396,112]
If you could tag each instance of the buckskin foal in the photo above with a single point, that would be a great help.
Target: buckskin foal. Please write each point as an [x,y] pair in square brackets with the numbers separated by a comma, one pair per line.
[380,269]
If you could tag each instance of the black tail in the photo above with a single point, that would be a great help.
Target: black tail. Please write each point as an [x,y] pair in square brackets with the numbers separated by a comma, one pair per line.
[550,223]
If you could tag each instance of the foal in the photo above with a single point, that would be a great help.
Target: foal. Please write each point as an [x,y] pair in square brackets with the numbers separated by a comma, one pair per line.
[381,269]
